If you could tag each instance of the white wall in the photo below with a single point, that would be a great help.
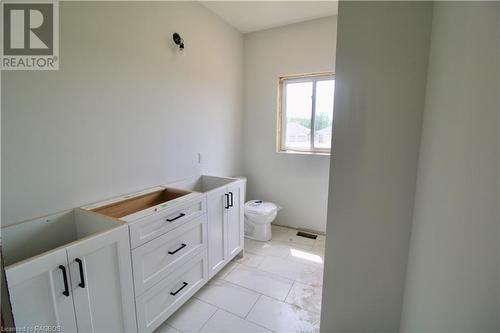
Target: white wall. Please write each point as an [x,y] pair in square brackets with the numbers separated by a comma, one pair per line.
[498,179]
[298,183]
[452,280]
[381,73]
[125,111]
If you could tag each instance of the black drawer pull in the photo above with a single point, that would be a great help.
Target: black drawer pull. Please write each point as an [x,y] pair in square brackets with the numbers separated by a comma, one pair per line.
[65,279]
[184,284]
[177,217]
[231,204]
[80,266]
[227,201]
[180,248]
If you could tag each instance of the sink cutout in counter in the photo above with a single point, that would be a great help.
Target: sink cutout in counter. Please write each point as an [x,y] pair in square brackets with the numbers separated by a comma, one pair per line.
[34,237]
[202,183]
[136,204]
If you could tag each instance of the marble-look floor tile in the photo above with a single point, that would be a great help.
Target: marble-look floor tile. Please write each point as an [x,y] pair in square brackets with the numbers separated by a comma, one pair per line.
[260,281]
[166,328]
[191,316]
[308,257]
[274,248]
[266,248]
[228,296]
[293,270]
[319,245]
[278,228]
[305,297]
[226,270]
[321,239]
[250,259]
[279,232]
[223,321]
[283,317]
[291,245]
[290,235]
[314,279]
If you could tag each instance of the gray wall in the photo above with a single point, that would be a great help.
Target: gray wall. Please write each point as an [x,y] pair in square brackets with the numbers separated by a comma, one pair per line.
[452,280]
[381,73]
[125,111]
[298,183]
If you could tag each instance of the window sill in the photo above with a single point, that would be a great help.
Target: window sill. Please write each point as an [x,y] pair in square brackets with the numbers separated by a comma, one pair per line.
[298,152]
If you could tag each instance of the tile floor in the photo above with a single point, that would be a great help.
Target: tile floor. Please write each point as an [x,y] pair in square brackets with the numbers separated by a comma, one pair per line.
[275,287]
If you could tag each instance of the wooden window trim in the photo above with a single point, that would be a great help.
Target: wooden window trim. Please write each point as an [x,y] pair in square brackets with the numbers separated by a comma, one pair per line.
[280,141]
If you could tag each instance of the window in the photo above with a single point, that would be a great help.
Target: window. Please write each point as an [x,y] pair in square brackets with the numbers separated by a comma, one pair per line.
[305,113]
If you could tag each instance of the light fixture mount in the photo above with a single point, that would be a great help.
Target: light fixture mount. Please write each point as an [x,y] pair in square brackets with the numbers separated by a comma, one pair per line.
[178,40]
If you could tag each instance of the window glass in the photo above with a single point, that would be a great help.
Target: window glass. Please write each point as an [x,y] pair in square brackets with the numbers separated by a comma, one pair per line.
[324,114]
[298,115]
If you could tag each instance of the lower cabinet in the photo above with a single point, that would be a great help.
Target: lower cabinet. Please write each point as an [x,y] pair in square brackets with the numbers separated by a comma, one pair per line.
[86,286]
[217,205]
[164,298]
[225,224]
[102,283]
[39,293]
[83,275]
[235,219]
[156,260]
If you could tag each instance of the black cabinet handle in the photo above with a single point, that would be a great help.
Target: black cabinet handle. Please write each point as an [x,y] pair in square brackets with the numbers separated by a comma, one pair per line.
[227,201]
[231,204]
[80,266]
[65,279]
[180,248]
[177,217]
[184,284]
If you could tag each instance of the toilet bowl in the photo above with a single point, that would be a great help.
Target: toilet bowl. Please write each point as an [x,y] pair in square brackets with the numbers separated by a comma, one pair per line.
[258,217]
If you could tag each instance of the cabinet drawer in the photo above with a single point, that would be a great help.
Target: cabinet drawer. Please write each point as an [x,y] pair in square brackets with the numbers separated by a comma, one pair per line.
[163,299]
[157,259]
[150,227]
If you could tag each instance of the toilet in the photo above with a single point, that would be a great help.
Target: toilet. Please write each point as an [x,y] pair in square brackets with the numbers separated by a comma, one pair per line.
[258,217]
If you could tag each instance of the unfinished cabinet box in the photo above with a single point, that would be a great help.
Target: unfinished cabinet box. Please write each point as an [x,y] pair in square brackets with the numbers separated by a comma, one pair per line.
[168,233]
[153,212]
[71,270]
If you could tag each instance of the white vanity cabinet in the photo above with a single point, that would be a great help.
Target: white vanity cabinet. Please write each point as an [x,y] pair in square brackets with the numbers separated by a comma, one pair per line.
[168,233]
[225,224]
[235,218]
[225,212]
[124,264]
[39,294]
[101,279]
[217,207]
[70,270]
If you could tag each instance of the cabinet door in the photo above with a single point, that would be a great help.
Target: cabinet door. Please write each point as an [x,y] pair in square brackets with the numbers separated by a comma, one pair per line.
[235,216]
[217,206]
[101,276]
[39,294]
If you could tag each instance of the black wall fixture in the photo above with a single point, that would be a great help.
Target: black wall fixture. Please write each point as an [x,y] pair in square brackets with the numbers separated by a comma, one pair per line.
[178,40]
